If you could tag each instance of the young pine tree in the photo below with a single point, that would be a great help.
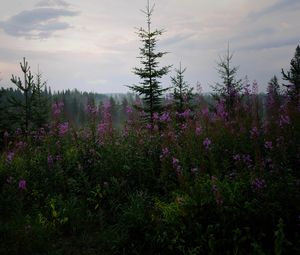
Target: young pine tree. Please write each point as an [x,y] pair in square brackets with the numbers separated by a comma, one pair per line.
[30,109]
[230,88]
[293,76]
[182,93]
[150,88]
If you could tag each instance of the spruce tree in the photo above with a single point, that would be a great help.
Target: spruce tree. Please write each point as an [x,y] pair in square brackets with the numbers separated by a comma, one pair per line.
[150,88]
[231,87]
[182,93]
[26,88]
[293,76]
[273,99]
[40,104]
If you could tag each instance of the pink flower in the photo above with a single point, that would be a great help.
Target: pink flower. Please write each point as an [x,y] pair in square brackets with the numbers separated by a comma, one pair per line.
[57,109]
[155,116]
[129,110]
[10,156]
[254,132]
[91,109]
[63,128]
[186,113]
[165,117]
[206,143]
[258,184]
[176,166]
[165,152]
[221,112]
[183,126]
[22,184]
[148,126]
[268,145]
[284,120]
[198,130]
[50,160]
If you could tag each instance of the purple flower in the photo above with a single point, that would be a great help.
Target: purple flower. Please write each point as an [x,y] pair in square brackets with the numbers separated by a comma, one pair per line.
[92,109]
[254,132]
[269,163]
[206,143]
[50,160]
[149,126]
[221,112]
[22,184]
[57,109]
[284,120]
[129,110]
[176,166]
[186,114]
[258,184]
[106,104]
[247,160]
[102,128]
[165,152]
[198,130]
[183,126]
[165,117]
[268,145]
[63,128]
[10,156]
[155,116]
[175,161]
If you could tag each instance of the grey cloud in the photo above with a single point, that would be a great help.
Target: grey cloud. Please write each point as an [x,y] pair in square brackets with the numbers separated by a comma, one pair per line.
[250,32]
[278,43]
[52,3]
[175,39]
[278,6]
[37,23]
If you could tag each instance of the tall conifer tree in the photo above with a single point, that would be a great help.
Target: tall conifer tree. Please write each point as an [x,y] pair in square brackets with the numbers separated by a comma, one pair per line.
[150,88]
[181,91]
[230,87]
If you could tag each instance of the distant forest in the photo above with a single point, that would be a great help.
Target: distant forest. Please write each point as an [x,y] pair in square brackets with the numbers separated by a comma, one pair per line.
[75,105]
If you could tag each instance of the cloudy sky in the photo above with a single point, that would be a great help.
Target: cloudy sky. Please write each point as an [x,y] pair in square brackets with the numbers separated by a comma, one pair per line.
[92,45]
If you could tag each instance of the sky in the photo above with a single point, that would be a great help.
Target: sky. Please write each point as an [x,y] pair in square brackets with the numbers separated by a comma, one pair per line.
[92,45]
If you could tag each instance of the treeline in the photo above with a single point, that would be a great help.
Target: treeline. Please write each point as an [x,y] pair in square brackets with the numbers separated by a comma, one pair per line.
[75,106]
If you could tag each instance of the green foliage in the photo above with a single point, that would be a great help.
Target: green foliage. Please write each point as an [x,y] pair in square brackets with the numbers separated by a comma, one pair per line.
[293,76]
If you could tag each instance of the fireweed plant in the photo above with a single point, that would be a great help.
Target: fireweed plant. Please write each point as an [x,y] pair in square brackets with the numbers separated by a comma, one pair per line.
[193,182]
